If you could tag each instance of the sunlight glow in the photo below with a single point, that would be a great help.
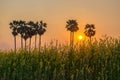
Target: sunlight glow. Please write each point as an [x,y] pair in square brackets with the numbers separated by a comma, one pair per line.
[80,37]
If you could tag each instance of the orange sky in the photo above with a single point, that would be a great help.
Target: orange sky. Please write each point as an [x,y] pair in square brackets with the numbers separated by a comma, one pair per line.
[105,14]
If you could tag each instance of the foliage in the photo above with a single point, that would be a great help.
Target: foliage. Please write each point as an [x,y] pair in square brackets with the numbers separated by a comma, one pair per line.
[72,25]
[98,61]
[89,30]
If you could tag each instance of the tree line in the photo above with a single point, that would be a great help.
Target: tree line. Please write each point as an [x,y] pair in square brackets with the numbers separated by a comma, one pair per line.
[29,29]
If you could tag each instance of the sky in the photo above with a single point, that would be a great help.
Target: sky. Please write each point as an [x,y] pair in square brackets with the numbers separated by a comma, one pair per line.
[105,14]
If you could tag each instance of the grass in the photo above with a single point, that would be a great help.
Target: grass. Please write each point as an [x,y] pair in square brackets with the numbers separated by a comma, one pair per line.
[98,61]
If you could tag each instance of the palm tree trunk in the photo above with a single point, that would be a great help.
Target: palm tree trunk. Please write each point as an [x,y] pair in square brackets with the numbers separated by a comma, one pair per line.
[35,40]
[15,44]
[25,45]
[39,43]
[21,43]
[30,45]
[70,39]
[90,41]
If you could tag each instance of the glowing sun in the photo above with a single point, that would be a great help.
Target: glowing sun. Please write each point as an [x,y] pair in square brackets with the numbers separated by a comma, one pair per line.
[80,37]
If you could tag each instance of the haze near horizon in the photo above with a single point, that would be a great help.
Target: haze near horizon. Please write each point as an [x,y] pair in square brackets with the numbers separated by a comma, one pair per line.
[105,14]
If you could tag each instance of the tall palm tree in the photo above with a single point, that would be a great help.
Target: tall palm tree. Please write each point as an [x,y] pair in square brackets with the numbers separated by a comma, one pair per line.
[35,32]
[72,26]
[23,31]
[20,31]
[14,26]
[34,29]
[41,30]
[31,32]
[25,34]
[89,30]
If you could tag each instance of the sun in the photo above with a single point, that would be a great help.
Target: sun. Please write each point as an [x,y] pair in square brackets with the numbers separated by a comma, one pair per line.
[80,37]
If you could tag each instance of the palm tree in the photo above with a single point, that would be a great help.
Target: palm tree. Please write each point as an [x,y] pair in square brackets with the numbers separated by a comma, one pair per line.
[89,30]
[34,29]
[72,26]
[20,31]
[25,34]
[31,32]
[23,30]
[14,26]
[41,30]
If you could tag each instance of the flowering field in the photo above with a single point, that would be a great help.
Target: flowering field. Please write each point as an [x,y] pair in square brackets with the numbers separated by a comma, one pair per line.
[98,60]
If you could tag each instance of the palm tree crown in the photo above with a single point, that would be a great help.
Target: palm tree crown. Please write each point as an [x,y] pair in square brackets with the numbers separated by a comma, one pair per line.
[42,28]
[31,30]
[21,29]
[14,27]
[89,30]
[72,25]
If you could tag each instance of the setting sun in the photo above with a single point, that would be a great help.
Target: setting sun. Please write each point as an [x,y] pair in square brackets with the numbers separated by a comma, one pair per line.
[80,37]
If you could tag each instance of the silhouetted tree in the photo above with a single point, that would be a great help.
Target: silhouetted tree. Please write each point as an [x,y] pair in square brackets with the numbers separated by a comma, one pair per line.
[21,24]
[25,34]
[27,30]
[35,29]
[41,30]
[14,26]
[72,26]
[30,32]
[89,30]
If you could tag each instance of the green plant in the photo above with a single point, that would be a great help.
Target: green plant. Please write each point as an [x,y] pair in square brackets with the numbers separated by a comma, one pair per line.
[98,61]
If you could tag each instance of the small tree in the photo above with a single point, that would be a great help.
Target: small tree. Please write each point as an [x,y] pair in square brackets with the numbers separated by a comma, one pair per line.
[72,26]
[89,30]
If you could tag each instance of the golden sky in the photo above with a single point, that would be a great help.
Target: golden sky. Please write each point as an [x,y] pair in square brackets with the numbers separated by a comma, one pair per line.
[105,14]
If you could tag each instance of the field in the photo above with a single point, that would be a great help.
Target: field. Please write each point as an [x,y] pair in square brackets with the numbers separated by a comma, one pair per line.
[98,60]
